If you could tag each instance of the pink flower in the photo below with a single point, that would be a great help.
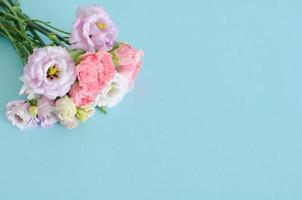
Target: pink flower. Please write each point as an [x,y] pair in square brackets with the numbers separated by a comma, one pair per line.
[49,72]
[129,62]
[46,112]
[93,30]
[80,96]
[19,116]
[94,71]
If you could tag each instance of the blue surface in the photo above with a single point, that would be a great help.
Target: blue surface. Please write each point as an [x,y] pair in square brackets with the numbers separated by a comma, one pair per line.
[216,112]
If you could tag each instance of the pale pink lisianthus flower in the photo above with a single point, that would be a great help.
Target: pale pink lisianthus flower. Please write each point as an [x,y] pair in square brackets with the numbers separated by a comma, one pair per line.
[93,30]
[50,71]
[46,112]
[129,62]
[19,116]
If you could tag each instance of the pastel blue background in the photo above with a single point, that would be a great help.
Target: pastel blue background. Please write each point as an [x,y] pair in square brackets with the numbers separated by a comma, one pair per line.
[216,112]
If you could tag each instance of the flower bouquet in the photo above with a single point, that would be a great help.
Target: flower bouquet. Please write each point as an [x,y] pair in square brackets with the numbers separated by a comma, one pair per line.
[67,75]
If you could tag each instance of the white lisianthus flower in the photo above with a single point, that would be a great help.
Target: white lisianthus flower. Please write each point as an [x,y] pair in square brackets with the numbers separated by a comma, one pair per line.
[113,92]
[66,112]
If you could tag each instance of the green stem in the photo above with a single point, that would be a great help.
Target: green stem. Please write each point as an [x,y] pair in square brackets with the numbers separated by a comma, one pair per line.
[8,5]
[11,39]
[24,32]
[19,36]
[37,37]
[5,14]
[63,39]
[50,26]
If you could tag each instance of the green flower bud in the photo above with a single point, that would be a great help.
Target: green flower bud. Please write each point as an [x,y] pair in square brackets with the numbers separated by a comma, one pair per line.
[83,113]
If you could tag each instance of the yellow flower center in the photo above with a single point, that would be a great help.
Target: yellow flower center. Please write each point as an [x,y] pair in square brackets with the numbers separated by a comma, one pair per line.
[101,26]
[52,72]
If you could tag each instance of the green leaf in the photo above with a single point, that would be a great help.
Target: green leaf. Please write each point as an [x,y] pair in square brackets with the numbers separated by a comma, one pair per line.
[76,55]
[103,110]
[115,47]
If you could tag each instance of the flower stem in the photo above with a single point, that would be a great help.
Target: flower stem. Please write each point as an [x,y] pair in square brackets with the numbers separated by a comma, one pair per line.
[8,35]
[50,26]
[25,33]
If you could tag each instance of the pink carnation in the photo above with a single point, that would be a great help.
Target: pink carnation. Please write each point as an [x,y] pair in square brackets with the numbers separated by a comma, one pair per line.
[80,96]
[129,62]
[93,73]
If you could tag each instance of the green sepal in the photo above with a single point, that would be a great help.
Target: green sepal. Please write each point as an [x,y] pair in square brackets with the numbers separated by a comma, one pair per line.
[103,110]
[115,59]
[115,47]
[33,102]
[76,55]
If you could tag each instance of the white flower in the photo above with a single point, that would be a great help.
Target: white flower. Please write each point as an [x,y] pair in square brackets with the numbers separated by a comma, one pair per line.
[66,112]
[113,92]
